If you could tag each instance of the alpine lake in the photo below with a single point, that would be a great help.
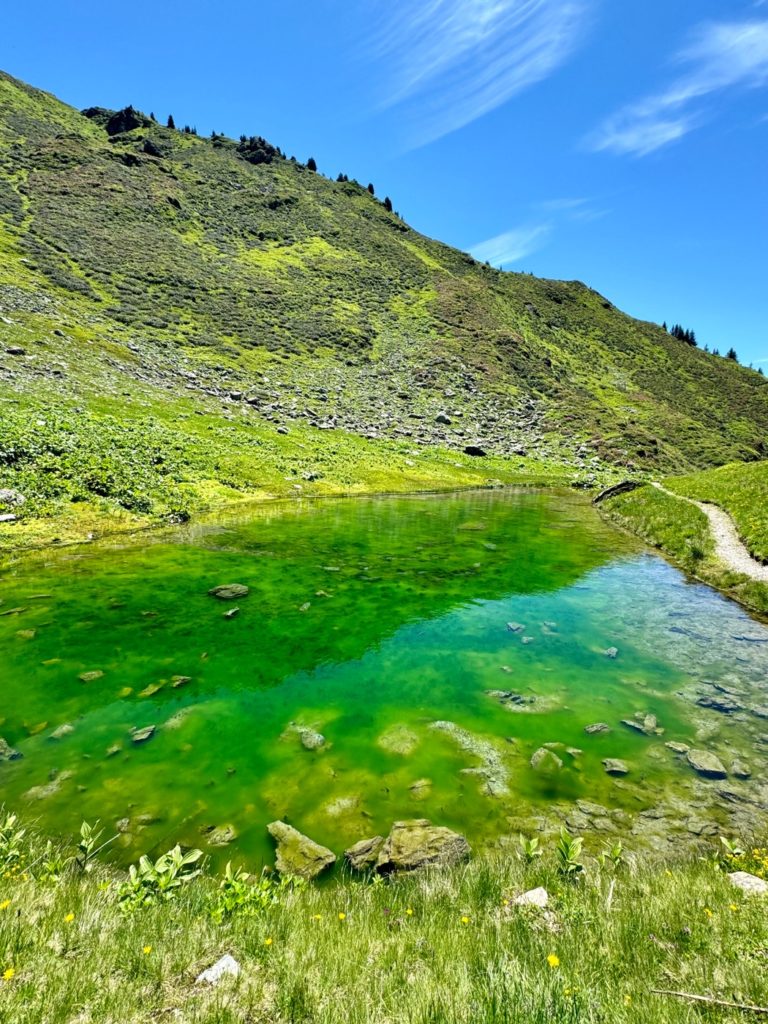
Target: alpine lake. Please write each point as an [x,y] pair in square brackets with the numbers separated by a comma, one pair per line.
[436,657]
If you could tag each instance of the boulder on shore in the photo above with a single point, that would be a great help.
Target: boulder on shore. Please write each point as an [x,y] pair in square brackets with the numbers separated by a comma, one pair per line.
[297,854]
[709,766]
[363,855]
[418,844]
[749,884]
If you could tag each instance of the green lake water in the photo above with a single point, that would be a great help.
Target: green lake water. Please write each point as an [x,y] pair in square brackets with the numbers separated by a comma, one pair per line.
[368,621]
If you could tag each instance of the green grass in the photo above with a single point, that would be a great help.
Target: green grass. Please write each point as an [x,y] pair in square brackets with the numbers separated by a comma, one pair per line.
[682,531]
[742,491]
[433,947]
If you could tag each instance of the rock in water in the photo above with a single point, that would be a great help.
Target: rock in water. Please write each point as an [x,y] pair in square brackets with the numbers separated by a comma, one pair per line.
[363,855]
[707,765]
[229,591]
[749,884]
[545,760]
[311,739]
[142,735]
[596,728]
[418,844]
[297,854]
[222,835]
[611,652]
[614,766]
[226,967]
[63,730]
[7,753]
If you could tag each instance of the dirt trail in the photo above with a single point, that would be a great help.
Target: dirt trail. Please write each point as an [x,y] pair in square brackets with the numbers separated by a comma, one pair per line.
[728,545]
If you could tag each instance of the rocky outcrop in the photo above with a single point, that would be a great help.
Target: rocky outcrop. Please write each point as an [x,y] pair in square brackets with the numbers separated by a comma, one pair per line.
[297,854]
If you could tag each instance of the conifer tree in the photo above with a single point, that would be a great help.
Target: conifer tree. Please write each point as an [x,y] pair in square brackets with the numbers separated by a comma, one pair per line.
[387,204]
[171,122]
[311,164]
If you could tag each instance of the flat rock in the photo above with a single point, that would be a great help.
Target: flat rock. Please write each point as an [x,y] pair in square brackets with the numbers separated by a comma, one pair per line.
[229,591]
[227,967]
[678,748]
[90,677]
[418,844]
[363,855]
[749,884]
[533,898]
[297,854]
[596,728]
[614,766]
[707,765]
[399,739]
[142,735]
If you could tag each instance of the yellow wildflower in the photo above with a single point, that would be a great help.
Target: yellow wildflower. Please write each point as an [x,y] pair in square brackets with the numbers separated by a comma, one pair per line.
[147,950]
[5,904]
[69,918]
[8,974]
[734,907]
[465,920]
[409,912]
[627,1000]
[707,911]
[342,916]
[317,917]
[268,942]
[553,960]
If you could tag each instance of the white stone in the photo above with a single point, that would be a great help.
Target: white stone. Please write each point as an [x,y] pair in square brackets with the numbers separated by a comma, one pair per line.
[749,884]
[533,898]
[227,966]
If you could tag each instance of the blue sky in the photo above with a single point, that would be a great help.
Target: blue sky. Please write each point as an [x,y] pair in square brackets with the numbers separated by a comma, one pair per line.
[623,144]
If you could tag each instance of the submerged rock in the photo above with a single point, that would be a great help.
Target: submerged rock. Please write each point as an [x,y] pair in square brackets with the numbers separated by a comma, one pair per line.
[492,767]
[417,844]
[611,652]
[544,760]
[399,740]
[297,854]
[596,728]
[707,765]
[363,855]
[678,748]
[221,835]
[614,766]
[229,591]
[7,752]
[310,738]
[643,723]
[741,770]
[90,677]
[61,731]
[142,735]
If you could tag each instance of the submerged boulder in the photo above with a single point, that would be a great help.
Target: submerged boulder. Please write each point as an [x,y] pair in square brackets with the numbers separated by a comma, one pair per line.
[544,760]
[707,765]
[614,766]
[297,854]
[596,728]
[418,844]
[229,591]
[7,753]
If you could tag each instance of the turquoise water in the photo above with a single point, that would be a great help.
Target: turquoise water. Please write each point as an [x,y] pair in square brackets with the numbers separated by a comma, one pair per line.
[368,621]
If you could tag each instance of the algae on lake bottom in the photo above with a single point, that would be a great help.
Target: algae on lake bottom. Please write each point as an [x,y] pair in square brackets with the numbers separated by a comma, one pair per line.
[393,658]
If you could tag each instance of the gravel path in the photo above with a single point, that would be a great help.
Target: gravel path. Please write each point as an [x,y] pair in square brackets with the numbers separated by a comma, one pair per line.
[728,545]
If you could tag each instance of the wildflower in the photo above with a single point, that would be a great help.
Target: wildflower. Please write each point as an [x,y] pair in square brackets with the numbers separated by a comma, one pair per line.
[5,904]
[268,942]
[707,911]
[465,920]
[627,1000]
[734,907]
[69,918]
[317,917]
[147,950]
[409,912]
[553,960]
[668,873]
[342,916]
[8,974]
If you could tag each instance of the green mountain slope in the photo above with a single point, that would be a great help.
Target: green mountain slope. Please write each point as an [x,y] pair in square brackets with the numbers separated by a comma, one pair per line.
[202,318]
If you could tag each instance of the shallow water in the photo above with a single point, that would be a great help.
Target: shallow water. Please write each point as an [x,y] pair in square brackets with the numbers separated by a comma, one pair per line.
[368,620]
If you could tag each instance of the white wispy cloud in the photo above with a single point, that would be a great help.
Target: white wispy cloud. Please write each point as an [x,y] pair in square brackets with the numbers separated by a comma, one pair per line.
[451,61]
[721,56]
[511,246]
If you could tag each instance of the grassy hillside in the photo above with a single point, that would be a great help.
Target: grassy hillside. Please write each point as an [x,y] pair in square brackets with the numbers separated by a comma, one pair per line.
[682,530]
[437,946]
[186,320]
